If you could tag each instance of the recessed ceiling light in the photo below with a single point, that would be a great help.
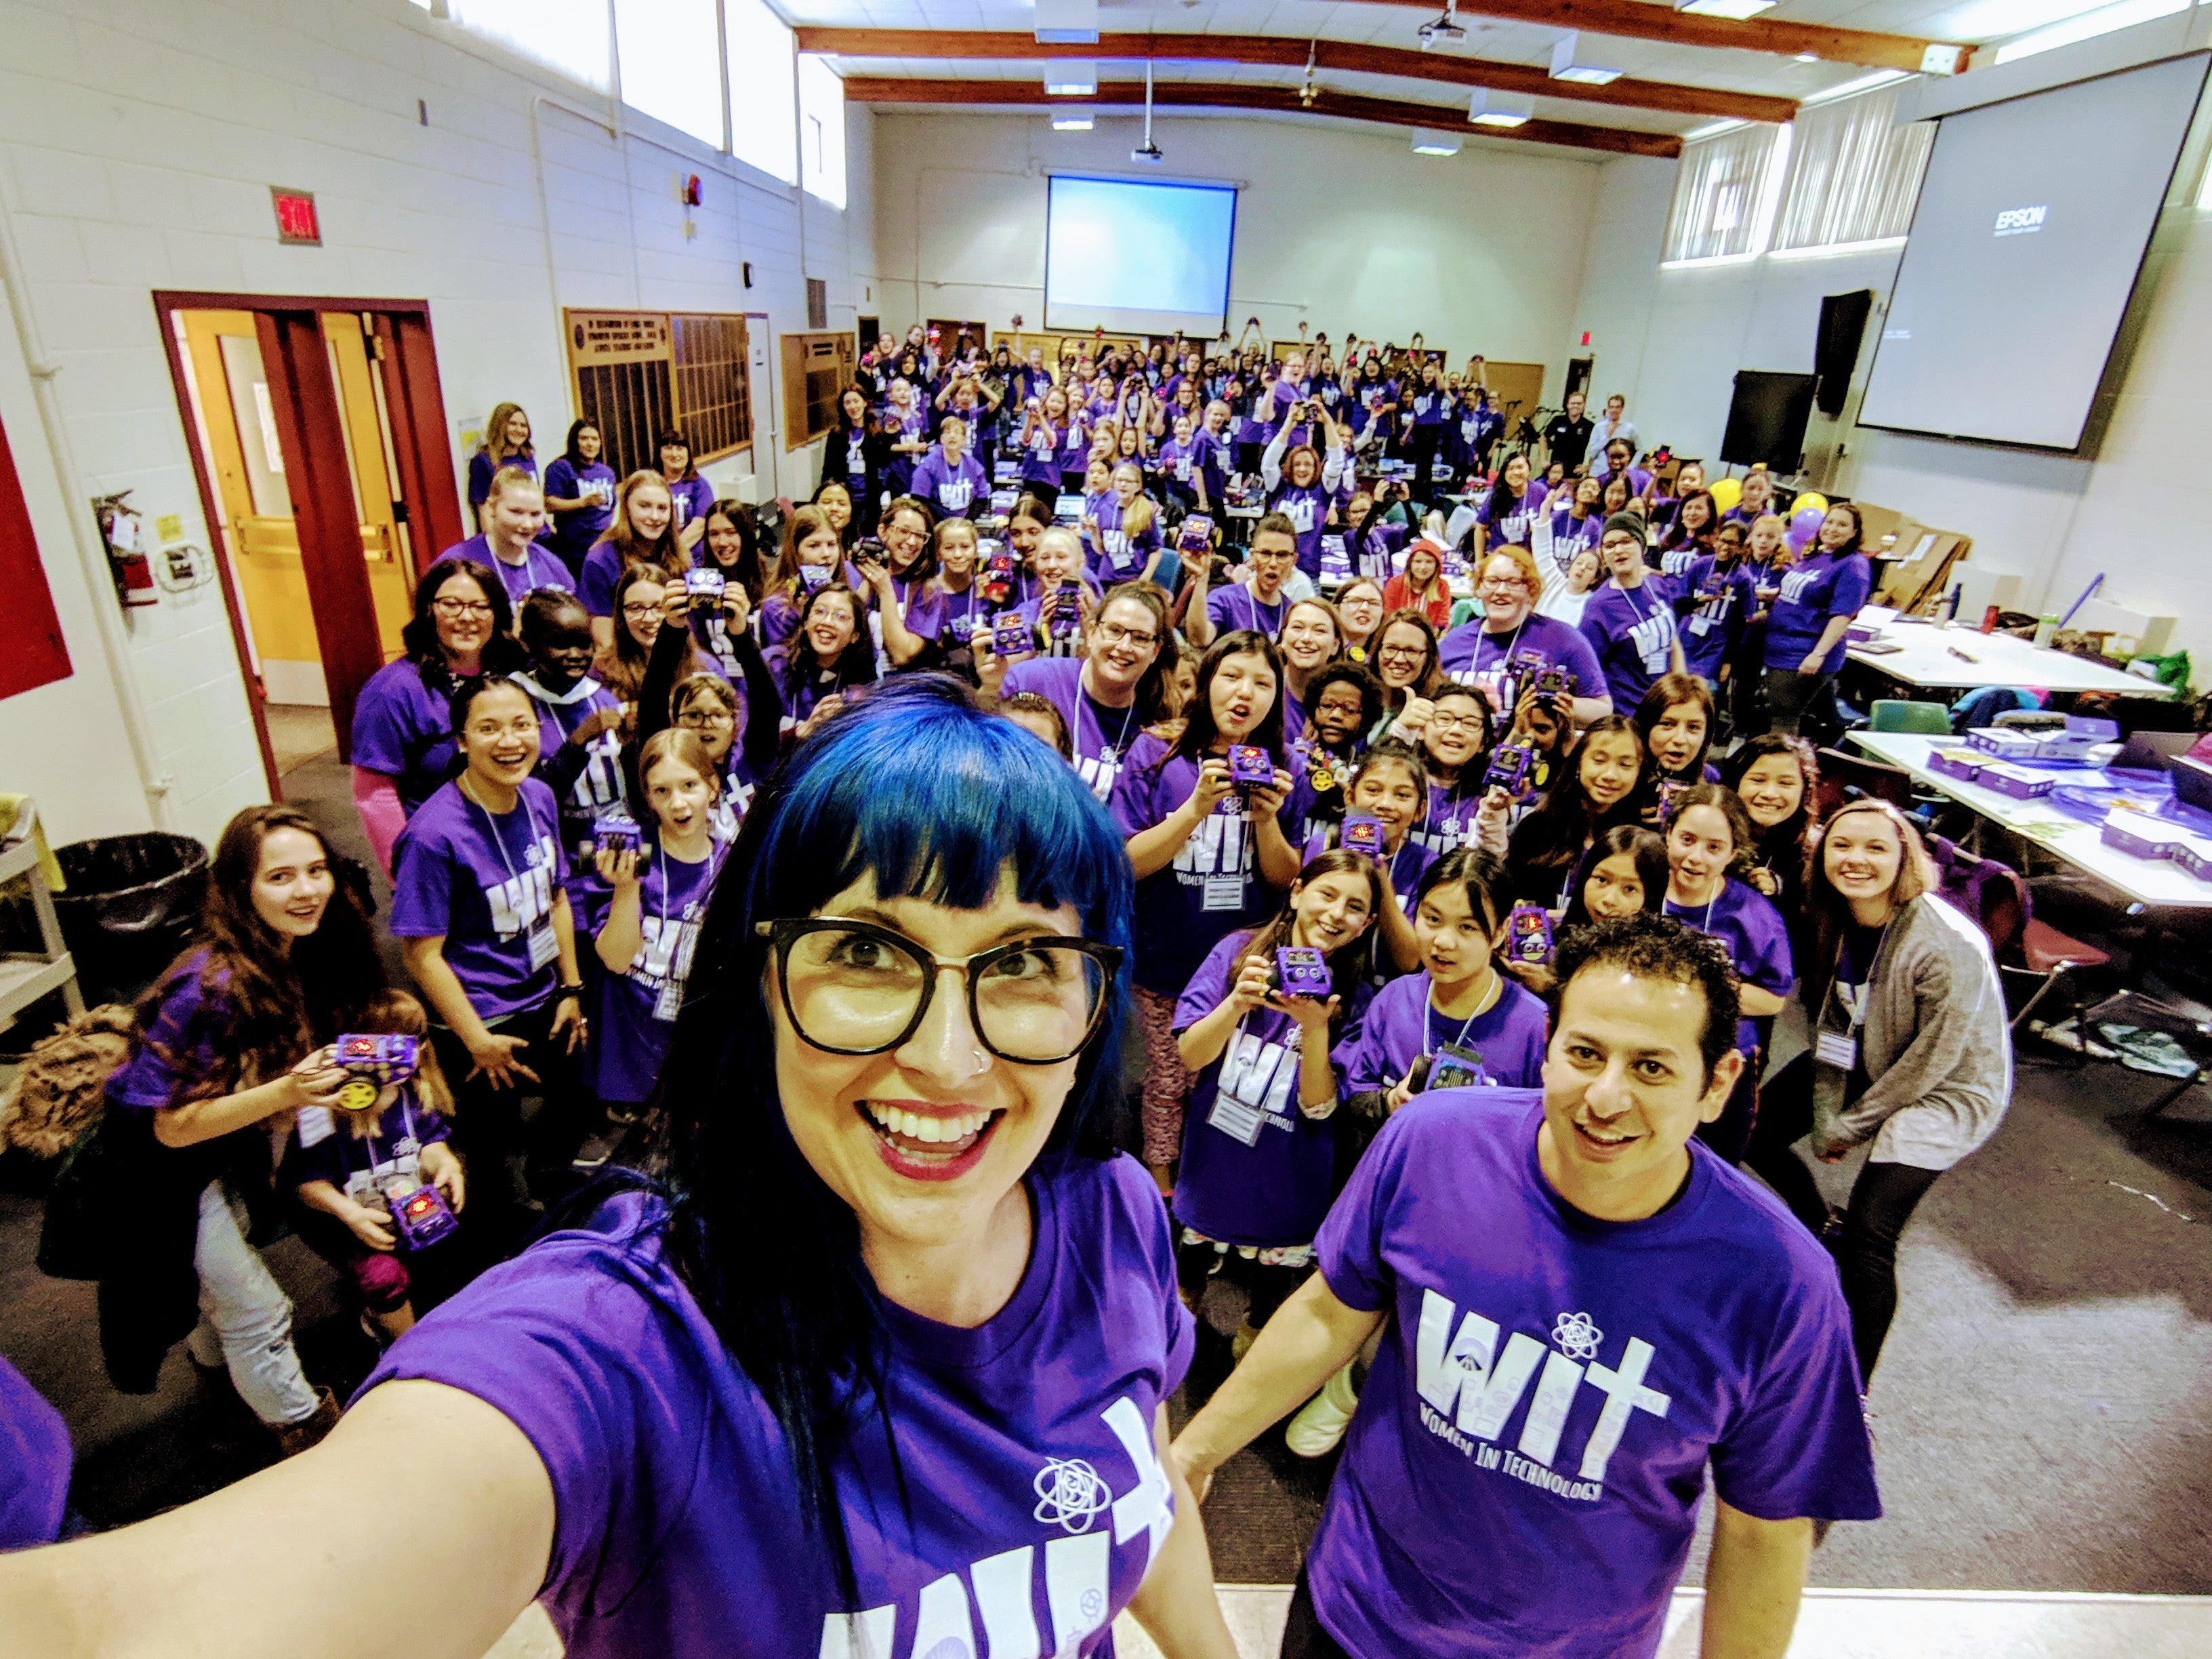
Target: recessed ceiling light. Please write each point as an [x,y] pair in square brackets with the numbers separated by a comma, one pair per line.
[1566,66]
[1071,122]
[1805,58]
[1071,77]
[1736,8]
[1499,109]
[1435,144]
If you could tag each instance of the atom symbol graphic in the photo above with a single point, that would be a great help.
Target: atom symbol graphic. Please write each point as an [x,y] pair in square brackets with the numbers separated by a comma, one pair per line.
[1071,1493]
[1577,1337]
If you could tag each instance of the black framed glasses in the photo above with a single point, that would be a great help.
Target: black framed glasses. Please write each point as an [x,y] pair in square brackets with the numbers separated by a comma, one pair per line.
[854,988]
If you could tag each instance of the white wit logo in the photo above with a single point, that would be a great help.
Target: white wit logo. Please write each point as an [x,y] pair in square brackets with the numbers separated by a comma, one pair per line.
[1578,1335]
[2020,222]
[1070,1494]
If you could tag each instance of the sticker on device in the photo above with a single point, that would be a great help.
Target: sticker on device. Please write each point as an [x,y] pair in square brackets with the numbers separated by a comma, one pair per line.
[2020,222]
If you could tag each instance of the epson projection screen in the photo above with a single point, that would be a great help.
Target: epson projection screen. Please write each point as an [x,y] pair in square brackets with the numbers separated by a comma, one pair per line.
[1136,257]
[2030,228]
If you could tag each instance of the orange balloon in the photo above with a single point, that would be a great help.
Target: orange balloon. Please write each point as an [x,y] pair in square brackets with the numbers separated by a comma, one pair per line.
[1727,492]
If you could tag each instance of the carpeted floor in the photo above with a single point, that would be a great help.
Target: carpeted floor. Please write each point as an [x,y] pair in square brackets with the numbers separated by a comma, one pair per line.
[2042,1411]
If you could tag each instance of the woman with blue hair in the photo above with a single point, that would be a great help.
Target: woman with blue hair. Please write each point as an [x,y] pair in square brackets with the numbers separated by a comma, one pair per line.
[876,1364]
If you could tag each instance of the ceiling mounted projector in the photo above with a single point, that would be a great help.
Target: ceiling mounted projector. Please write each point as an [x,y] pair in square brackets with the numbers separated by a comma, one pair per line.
[1445,27]
[1147,151]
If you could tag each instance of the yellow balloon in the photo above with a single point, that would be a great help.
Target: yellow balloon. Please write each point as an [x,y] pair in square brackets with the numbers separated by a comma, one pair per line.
[1810,498]
[1727,492]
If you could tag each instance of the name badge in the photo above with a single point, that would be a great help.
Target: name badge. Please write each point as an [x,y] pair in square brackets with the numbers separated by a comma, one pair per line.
[1223,893]
[1234,1117]
[1700,624]
[542,948]
[670,1002]
[1838,1048]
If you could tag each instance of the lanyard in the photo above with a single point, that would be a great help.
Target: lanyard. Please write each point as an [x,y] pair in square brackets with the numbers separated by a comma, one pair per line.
[1482,1006]
[1853,1021]
[492,823]
[345,1161]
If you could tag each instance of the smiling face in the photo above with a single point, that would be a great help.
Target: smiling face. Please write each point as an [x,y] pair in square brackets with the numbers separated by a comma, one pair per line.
[1058,559]
[678,796]
[674,459]
[905,534]
[499,743]
[292,884]
[462,615]
[518,430]
[956,549]
[1401,654]
[1124,642]
[1610,763]
[1506,600]
[1699,845]
[1587,492]
[1303,470]
[1678,736]
[926,1142]
[1837,527]
[831,625]
[641,613]
[1862,853]
[1624,1088]
[650,509]
[953,435]
[836,504]
[1242,692]
[1758,489]
[1331,911]
[1421,568]
[1623,557]
[726,542]
[1516,473]
[566,645]
[588,442]
[1613,888]
[1455,945]
[1309,637]
[1456,730]
[1772,788]
[1386,791]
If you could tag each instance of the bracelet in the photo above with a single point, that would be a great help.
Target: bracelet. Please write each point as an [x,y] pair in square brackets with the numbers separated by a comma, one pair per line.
[575,990]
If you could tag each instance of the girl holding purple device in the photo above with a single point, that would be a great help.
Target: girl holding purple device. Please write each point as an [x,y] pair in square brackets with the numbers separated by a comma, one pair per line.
[1258,1149]
[880,1189]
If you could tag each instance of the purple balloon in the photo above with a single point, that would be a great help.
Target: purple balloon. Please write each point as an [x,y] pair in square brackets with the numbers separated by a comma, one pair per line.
[1800,538]
[1807,522]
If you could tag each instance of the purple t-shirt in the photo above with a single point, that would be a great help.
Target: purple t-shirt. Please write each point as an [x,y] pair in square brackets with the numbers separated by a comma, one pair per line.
[633,1011]
[1117,555]
[1512,527]
[599,784]
[1724,598]
[482,470]
[595,583]
[1403,869]
[1101,736]
[1255,1170]
[179,1047]
[1401,1026]
[541,567]
[1814,590]
[1745,919]
[952,490]
[1449,824]
[404,730]
[1213,887]
[1234,606]
[1209,452]
[1306,506]
[574,532]
[35,1464]
[1473,657]
[1026,1443]
[403,1130]
[485,882]
[1524,1471]
[1630,629]
[690,498]
[1041,454]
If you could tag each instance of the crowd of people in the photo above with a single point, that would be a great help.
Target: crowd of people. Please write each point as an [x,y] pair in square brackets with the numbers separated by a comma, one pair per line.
[1426,883]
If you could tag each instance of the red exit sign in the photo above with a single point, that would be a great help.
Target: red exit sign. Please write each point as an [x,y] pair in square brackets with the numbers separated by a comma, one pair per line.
[296,216]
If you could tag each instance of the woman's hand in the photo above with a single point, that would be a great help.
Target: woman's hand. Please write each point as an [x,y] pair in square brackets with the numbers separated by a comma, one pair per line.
[1312,1014]
[1213,784]
[438,1161]
[737,608]
[315,1081]
[568,1016]
[1812,665]
[496,1060]
[823,710]
[675,604]
[1766,880]
[1254,987]
[1268,798]
[1413,718]
[372,1227]
[620,870]
[879,577]
[1400,1093]
[990,668]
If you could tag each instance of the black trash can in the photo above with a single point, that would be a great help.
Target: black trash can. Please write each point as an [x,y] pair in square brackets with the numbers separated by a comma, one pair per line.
[131,905]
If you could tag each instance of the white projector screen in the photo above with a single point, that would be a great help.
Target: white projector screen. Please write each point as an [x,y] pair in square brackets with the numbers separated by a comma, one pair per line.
[2030,229]
[1137,257]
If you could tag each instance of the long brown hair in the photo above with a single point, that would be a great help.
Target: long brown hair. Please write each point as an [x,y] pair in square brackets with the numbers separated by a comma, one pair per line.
[635,550]
[1831,912]
[267,1007]
[622,668]
[804,522]
[1347,964]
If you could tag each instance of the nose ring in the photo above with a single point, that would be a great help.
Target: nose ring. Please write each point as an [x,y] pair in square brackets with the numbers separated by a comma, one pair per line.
[983,1062]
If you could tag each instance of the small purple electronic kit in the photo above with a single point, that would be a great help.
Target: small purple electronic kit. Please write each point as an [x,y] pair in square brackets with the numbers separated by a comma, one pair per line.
[2141,834]
[998,564]
[615,832]
[1528,935]
[700,583]
[371,1060]
[1250,764]
[2004,742]
[422,1215]
[1301,971]
[814,576]
[1067,614]
[2015,780]
[1962,764]
[1362,834]
[1509,766]
[1010,634]
[1197,535]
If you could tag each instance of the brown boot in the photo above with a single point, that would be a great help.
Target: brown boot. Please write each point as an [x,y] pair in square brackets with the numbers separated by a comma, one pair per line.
[293,1438]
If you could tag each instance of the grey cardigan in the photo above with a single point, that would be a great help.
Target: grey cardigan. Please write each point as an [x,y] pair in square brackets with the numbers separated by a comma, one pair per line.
[1936,1044]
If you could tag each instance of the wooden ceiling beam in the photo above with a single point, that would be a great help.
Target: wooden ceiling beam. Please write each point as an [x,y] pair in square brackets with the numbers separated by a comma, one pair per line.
[1639,20]
[1007,44]
[1281,101]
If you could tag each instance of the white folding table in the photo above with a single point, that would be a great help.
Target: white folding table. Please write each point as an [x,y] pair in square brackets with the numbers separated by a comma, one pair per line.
[1933,657]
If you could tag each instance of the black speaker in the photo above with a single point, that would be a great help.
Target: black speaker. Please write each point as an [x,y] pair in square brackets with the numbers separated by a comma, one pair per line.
[1766,419]
[1842,323]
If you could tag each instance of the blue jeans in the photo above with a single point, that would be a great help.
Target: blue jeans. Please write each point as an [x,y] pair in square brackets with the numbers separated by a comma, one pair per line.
[245,1318]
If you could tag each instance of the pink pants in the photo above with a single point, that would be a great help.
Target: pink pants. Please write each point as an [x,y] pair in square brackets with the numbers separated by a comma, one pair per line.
[1167,1081]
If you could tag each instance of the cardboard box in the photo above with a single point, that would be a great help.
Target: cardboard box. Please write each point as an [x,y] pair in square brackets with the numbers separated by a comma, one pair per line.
[2139,834]
[2015,780]
[1962,764]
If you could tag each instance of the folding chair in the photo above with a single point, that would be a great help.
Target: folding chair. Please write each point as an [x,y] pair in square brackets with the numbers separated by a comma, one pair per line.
[1926,719]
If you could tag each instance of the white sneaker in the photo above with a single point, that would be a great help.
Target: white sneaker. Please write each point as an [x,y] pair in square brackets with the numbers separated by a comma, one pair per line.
[1321,1421]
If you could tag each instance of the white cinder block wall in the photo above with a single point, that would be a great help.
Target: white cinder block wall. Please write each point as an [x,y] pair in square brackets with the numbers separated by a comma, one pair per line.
[1339,226]
[138,139]
[1674,339]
